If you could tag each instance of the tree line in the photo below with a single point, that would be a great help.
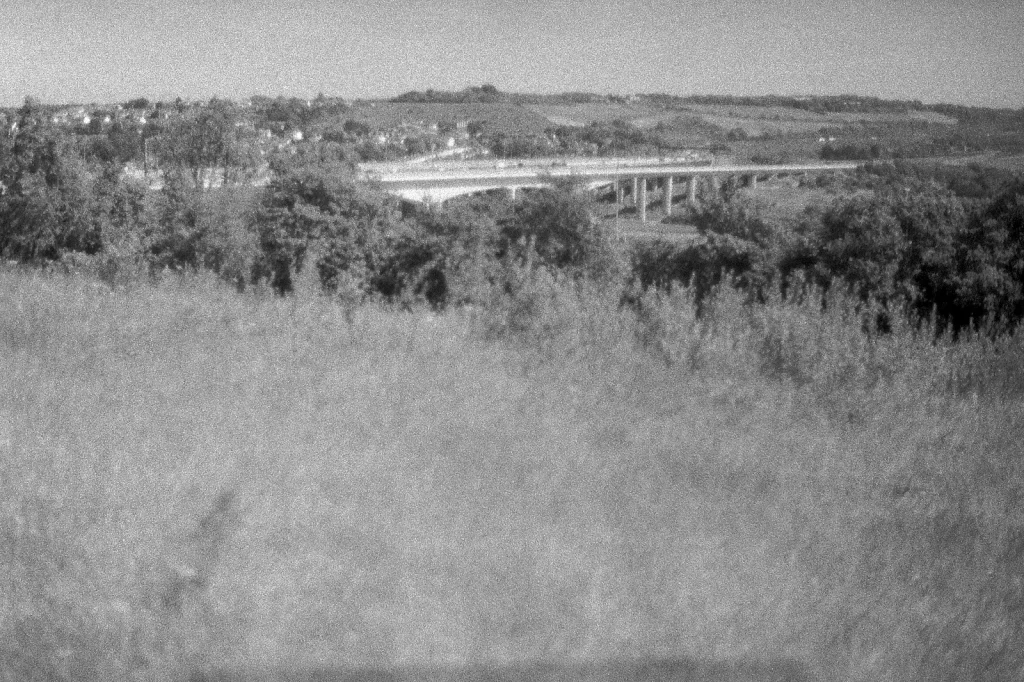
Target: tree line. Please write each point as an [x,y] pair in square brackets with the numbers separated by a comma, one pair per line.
[940,243]
[904,241]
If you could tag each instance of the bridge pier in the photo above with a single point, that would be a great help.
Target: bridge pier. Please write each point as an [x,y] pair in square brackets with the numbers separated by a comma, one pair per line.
[691,190]
[752,181]
[642,199]
[636,191]
[667,195]
[619,192]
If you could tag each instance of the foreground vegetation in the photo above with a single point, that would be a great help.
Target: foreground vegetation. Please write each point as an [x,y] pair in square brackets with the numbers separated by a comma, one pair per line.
[304,427]
[196,480]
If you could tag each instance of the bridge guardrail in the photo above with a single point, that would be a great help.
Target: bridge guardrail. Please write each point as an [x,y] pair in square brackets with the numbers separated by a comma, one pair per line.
[538,163]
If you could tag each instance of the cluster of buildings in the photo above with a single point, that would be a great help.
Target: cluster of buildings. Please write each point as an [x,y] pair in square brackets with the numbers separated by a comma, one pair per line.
[82,116]
[428,136]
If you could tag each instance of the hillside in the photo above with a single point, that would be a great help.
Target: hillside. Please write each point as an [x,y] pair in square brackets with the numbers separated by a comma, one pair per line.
[749,128]
[510,119]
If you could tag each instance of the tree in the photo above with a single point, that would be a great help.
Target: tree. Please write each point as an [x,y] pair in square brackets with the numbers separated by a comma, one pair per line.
[322,211]
[209,145]
[449,256]
[862,242]
[916,244]
[47,206]
[741,243]
[990,260]
[558,223]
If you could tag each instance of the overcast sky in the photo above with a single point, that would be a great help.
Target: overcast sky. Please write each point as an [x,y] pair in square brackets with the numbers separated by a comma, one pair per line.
[960,51]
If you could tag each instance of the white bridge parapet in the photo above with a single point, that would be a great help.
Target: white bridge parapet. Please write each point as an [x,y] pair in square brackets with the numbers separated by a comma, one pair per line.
[436,182]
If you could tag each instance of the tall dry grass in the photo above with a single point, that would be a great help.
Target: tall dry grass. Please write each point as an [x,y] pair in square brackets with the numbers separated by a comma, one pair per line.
[196,480]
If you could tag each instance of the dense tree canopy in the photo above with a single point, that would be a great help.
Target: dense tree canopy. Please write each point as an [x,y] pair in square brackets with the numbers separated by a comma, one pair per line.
[47,205]
[210,147]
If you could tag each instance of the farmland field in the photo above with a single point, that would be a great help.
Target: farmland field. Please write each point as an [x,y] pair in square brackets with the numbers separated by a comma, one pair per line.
[756,121]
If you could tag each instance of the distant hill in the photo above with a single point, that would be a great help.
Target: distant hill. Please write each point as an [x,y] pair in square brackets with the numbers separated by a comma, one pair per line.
[494,117]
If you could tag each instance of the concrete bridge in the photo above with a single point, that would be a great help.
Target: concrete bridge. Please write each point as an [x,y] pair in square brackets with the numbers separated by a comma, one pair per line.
[634,178]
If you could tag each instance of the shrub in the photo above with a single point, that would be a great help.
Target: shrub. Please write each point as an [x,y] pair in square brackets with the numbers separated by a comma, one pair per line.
[990,256]
[738,245]
[448,256]
[355,225]
[923,247]
[862,242]
[558,224]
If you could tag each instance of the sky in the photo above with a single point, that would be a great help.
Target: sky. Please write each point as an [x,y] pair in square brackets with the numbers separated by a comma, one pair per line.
[955,51]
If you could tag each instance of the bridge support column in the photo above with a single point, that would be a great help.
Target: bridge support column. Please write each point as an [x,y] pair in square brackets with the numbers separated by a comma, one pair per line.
[618,192]
[691,190]
[667,195]
[752,181]
[512,194]
[642,199]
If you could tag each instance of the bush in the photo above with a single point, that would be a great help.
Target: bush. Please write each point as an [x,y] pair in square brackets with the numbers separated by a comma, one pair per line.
[354,225]
[862,242]
[211,230]
[925,248]
[559,226]
[738,245]
[736,135]
[990,258]
[448,256]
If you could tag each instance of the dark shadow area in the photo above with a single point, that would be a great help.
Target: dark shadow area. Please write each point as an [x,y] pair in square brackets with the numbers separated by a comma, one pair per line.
[640,670]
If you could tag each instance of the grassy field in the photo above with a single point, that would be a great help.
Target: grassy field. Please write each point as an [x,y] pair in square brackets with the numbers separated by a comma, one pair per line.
[198,482]
[755,121]
[584,114]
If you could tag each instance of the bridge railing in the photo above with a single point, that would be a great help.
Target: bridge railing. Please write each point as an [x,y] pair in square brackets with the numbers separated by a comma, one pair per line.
[538,163]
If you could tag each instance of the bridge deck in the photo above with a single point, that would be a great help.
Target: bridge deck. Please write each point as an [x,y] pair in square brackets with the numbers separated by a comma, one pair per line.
[451,179]
[590,171]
